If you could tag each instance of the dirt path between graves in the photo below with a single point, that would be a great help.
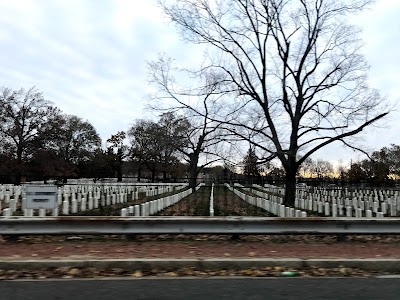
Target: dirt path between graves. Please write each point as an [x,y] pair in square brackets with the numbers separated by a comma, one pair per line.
[200,247]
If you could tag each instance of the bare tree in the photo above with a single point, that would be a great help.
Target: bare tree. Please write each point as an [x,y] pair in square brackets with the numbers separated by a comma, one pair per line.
[293,65]
[307,168]
[323,168]
[201,137]
[194,140]
[27,120]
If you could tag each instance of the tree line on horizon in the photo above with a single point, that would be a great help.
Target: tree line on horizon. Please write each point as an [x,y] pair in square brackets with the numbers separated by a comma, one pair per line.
[381,168]
[38,141]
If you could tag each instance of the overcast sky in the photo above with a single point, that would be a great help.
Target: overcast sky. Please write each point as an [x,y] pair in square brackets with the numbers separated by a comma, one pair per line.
[89,58]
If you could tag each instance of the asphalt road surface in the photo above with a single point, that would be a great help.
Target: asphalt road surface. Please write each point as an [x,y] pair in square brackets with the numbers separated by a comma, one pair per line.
[219,288]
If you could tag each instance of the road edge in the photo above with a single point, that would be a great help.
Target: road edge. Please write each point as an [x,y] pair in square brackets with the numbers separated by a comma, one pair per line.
[144,264]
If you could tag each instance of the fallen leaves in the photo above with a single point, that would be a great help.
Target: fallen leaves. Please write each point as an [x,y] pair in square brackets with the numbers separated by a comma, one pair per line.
[343,270]
[137,274]
[74,272]
[277,271]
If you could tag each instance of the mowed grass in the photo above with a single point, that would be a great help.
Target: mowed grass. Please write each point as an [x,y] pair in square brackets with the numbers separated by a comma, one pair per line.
[226,203]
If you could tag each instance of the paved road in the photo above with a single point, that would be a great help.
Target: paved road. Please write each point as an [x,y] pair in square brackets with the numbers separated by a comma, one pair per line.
[177,289]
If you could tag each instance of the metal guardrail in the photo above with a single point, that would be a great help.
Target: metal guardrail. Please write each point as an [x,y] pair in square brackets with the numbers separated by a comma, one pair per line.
[195,225]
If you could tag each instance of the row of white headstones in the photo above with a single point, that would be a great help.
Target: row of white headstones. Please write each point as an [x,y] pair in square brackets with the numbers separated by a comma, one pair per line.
[75,198]
[211,207]
[271,203]
[154,206]
[339,203]
[72,199]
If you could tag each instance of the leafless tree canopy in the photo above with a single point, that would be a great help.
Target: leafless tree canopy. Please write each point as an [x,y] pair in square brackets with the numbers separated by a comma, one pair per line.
[292,71]
[196,105]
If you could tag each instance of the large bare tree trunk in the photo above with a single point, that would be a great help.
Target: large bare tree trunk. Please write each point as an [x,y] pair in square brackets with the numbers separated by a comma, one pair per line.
[193,179]
[290,188]
[193,170]
[291,168]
